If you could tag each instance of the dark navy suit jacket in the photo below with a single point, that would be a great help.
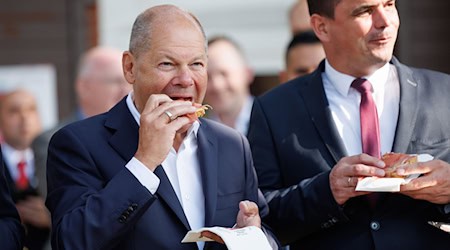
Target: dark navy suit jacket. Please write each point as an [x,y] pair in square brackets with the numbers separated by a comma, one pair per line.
[96,203]
[295,144]
[11,231]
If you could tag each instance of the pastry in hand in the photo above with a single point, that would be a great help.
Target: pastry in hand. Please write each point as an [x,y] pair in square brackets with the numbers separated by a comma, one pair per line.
[395,160]
[200,112]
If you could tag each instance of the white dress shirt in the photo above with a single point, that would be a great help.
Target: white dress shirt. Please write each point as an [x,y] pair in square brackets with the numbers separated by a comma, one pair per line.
[12,157]
[183,170]
[344,104]
[243,119]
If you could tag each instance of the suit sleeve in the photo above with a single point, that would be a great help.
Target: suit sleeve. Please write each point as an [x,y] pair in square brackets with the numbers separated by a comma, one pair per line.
[88,210]
[11,231]
[297,210]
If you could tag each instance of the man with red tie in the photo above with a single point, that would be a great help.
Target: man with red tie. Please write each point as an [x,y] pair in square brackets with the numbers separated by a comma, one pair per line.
[10,229]
[19,125]
[315,137]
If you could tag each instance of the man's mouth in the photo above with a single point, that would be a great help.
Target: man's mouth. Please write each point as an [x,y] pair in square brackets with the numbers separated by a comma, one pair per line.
[181,98]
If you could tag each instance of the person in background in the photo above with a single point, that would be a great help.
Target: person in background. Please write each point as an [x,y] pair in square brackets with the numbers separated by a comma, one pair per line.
[99,85]
[19,125]
[229,79]
[303,55]
[313,139]
[299,20]
[146,172]
[11,230]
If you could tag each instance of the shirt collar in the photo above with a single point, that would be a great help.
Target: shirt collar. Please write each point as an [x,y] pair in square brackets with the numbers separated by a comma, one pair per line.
[342,82]
[137,116]
[12,156]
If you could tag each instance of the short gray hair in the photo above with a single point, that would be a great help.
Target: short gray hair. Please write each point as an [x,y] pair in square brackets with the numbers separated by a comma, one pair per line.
[140,38]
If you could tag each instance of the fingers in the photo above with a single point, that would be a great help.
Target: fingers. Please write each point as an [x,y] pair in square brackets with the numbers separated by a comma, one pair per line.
[364,165]
[248,208]
[345,175]
[33,212]
[161,119]
[167,111]
[433,185]
[417,168]
[248,215]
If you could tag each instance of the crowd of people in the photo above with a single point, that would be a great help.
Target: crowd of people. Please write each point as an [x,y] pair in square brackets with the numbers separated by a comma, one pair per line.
[134,167]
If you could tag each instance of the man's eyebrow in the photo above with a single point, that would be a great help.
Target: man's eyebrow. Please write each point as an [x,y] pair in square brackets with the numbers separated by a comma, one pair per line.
[362,8]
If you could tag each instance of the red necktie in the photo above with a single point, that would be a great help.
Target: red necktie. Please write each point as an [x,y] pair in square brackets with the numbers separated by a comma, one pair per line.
[370,130]
[22,181]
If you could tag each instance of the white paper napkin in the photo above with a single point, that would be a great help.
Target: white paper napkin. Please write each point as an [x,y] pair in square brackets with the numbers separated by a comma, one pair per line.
[375,184]
[235,239]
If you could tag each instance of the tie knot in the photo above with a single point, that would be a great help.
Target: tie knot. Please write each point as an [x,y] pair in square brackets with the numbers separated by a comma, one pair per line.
[21,165]
[362,85]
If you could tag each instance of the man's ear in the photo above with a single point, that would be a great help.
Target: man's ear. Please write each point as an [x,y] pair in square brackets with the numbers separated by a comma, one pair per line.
[320,26]
[128,63]
[250,75]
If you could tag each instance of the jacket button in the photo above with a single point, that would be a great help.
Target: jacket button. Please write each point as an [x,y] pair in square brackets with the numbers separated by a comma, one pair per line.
[375,225]
[122,218]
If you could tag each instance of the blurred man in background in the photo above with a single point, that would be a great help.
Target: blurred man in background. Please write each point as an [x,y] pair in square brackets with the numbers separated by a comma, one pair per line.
[299,17]
[303,55]
[229,79]
[11,230]
[100,84]
[19,125]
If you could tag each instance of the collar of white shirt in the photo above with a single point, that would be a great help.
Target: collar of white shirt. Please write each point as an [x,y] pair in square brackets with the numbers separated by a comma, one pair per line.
[13,156]
[342,82]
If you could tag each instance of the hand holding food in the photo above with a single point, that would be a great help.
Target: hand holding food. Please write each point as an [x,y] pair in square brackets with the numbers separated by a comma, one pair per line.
[395,160]
[200,112]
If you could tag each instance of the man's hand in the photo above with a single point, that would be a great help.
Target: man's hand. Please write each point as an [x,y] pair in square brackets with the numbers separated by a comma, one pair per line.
[433,185]
[348,171]
[160,120]
[248,215]
[33,211]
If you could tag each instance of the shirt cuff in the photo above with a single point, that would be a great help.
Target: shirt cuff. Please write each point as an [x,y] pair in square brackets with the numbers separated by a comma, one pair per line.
[144,175]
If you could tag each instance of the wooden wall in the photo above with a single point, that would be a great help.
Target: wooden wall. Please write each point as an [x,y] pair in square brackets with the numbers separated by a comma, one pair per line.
[48,31]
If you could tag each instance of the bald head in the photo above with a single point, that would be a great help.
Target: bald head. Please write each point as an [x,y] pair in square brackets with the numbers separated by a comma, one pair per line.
[99,59]
[299,17]
[100,82]
[158,16]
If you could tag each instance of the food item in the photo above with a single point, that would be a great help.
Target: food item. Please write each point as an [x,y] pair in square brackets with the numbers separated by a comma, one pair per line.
[200,112]
[395,160]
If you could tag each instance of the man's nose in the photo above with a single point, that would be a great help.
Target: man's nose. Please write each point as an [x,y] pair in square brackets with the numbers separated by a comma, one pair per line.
[382,18]
[184,77]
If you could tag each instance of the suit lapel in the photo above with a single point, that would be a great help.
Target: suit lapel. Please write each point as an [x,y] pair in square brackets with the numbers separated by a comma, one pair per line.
[408,107]
[124,140]
[165,191]
[317,105]
[208,155]
[125,131]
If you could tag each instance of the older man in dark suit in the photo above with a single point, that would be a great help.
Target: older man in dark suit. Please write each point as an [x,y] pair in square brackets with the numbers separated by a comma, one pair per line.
[315,137]
[145,173]
[11,231]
